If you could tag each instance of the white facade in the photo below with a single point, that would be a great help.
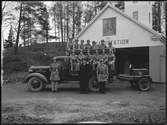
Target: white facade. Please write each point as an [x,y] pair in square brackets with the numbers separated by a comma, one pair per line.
[144,9]
[130,33]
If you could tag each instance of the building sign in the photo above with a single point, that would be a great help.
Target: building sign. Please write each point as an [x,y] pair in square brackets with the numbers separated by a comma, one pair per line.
[118,41]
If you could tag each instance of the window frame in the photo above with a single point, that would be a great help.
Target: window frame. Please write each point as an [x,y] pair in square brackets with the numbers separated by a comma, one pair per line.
[137,15]
[109,26]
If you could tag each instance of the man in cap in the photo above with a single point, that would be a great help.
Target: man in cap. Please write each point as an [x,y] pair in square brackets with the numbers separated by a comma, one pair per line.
[104,57]
[89,58]
[111,59]
[82,45]
[73,60]
[80,57]
[94,46]
[76,44]
[70,45]
[96,59]
[87,45]
[84,76]
[102,75]
[102,45]
[111,47]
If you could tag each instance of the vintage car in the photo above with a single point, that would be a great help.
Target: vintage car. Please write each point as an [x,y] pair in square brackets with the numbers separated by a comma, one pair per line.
[38,76]
[138,78]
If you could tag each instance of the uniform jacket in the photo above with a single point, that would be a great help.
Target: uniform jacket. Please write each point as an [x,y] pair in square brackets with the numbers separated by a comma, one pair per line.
[105,57]
[70,45]
[82,46]
[73,58]
[76,46]
[80,57]
[102,72]
[112,48]
[95,47]
[88,46]
[102,46]
[54,69]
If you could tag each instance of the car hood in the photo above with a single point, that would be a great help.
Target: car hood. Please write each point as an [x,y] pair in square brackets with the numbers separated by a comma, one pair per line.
[39,67]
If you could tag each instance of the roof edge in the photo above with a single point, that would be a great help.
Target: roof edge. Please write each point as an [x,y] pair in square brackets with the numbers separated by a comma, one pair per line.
[122,13]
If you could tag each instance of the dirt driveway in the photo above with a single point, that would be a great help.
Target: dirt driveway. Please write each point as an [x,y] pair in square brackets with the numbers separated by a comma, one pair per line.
[120,104]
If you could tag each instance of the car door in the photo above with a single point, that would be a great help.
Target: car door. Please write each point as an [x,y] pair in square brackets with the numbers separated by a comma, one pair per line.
[63,69]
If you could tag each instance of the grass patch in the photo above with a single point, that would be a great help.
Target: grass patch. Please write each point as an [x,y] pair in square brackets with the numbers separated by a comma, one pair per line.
[22,119]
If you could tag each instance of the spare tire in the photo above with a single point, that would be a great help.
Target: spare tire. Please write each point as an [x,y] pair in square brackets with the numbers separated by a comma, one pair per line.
[93,85]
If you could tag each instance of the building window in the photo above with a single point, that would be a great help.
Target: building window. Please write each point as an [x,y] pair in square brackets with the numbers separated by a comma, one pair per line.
[109,26]
[135,1]
[149,17]
[135,15]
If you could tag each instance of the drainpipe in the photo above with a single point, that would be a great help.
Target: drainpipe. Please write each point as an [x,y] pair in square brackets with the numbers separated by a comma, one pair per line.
[160,69]
[160,64]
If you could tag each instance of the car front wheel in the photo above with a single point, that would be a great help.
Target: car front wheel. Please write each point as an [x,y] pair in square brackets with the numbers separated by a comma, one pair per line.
[35,84]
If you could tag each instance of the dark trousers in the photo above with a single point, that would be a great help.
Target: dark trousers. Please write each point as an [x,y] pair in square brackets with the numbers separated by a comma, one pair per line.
[84,85]
[102,87]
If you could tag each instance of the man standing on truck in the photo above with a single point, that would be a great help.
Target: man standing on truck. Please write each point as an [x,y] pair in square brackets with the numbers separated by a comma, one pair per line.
[96,58]
[82,45]
[104,56]
[84,76]
[94,46]
[76,44]
[102,75]
[80,57]
[70,45]
[111,47]
[87,45]
[111,59]
[102,45]
[73,60]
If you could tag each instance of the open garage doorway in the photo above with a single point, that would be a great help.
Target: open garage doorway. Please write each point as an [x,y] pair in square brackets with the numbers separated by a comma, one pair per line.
[137,56]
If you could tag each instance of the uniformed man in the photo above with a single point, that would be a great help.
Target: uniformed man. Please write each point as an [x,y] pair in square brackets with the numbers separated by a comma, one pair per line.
[111,59]
[96,59]
[102,45]
[87,45]
[84,76]
[94,46]
[104,57]
[111,47]
[80,57]
[70,45]
[89,58]
[82,45]
[102,75]
[73,60]
[76,44]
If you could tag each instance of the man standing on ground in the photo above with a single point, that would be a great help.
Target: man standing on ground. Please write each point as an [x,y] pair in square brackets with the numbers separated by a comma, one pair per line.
[102,75]
[84,77]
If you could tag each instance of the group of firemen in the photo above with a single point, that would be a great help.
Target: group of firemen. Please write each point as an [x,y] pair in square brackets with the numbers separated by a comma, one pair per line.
[84,62]
[92,59]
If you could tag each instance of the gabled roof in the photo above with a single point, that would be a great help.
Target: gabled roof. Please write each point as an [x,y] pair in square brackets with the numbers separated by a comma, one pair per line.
[125,15]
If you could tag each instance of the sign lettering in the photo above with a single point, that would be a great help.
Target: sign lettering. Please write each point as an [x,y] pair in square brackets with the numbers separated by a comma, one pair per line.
[118,42]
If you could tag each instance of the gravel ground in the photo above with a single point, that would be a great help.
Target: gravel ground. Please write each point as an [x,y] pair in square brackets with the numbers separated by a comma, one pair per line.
[120,104]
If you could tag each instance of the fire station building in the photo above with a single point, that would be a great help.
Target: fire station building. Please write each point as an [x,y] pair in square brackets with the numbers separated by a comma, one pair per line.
[131,34]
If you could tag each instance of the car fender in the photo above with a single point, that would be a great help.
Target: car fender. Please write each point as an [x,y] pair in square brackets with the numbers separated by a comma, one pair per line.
[148,77]
[42,77]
